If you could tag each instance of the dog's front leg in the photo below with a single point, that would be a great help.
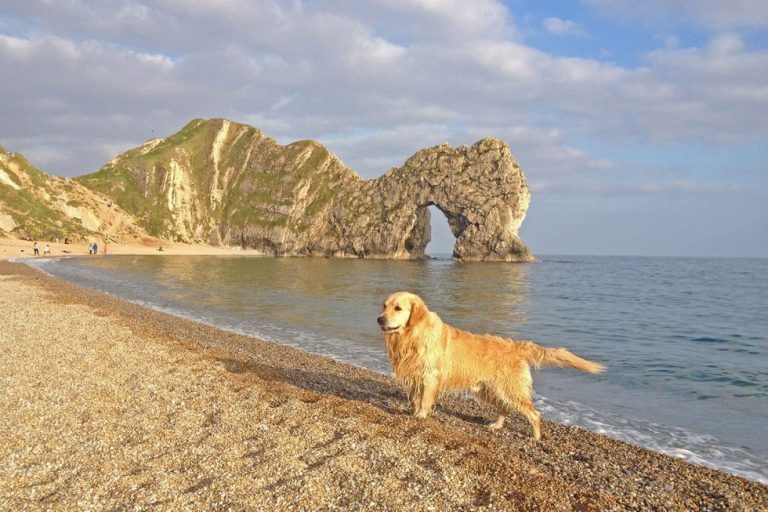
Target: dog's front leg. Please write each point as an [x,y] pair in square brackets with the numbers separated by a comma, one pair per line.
[414,396]
[428,396]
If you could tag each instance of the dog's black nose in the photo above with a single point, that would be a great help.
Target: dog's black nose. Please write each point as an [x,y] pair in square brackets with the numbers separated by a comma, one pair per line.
[381,320]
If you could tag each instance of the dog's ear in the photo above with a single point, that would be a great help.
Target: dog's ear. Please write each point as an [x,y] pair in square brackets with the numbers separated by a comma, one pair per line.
[419,313]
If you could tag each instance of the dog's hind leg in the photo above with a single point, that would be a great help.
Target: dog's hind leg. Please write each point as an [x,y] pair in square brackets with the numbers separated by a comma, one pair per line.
[525,406]
[497,400]
[506,402]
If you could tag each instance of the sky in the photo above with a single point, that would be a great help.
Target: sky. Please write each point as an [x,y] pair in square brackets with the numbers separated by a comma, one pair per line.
[641,125]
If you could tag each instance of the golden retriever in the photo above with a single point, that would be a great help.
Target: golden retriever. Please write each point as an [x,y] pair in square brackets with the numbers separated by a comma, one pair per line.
[429,356]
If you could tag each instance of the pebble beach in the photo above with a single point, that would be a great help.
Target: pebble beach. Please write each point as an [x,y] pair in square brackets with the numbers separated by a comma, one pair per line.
[107,405]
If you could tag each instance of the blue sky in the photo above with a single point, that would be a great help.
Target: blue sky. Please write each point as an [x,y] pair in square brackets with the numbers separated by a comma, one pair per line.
[640,124]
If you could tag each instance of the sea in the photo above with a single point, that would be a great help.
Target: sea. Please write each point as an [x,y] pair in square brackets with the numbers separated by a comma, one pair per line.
[685,340]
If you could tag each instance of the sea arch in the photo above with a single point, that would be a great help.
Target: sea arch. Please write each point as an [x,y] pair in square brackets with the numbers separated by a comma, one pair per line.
[482,193]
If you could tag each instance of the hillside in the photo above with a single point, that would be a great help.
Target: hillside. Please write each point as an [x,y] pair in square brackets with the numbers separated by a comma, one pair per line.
[35,205]
[216,181]
[221,182]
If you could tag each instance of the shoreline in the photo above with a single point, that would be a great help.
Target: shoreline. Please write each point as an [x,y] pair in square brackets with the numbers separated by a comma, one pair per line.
[355,423]
[15,248]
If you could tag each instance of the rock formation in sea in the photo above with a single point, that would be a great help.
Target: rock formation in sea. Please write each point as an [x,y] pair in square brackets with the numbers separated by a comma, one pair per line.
[225,183]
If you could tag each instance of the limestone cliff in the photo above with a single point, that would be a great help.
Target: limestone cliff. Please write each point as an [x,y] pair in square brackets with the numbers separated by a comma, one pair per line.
[221,182]
[35,205]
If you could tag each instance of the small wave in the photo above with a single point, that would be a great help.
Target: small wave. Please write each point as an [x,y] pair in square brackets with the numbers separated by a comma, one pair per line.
[295,338]
[702,449]
[706,339]
[40,264]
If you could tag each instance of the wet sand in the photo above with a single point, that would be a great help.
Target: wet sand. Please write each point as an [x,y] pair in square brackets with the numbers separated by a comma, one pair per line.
[110,406]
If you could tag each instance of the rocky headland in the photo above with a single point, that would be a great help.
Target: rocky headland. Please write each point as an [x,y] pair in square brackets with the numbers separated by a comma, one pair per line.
[222,183]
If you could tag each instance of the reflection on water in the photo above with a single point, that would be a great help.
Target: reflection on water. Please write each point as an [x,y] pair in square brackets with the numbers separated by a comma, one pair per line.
[338,297]
[323,305]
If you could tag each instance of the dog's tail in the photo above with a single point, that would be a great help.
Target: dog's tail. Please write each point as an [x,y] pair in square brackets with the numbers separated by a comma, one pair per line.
[545,356]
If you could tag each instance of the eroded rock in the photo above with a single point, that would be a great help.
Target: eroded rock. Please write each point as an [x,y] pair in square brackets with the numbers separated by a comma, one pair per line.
[225,183]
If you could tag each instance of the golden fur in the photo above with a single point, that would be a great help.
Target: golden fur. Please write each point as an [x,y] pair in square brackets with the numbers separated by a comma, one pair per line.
[429,356]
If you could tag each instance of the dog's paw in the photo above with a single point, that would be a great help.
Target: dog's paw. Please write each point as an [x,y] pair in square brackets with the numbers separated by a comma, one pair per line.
[496,425]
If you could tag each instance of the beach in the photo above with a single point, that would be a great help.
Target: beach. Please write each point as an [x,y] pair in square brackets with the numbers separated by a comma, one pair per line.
[15,248]
[107,405]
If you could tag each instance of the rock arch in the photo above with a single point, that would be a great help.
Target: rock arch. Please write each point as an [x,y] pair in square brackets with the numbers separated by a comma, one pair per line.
[481,191]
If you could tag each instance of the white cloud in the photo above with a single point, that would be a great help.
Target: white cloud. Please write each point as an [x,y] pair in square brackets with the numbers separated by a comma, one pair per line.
[416,21]
[717,92]
[404,73]
[560,27]
[713,14]
[14,48]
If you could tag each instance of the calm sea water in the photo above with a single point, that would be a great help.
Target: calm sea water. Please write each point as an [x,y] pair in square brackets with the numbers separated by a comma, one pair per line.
[685,340]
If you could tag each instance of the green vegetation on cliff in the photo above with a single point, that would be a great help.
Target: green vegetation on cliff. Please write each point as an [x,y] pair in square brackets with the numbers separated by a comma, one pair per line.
[30,199]
[34,218]
[218,173]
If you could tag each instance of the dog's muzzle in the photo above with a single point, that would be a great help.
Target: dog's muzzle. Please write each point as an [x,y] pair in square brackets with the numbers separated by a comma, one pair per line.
[383,325]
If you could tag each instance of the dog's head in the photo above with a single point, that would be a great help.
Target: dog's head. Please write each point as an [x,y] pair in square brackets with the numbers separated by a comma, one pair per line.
[402,310]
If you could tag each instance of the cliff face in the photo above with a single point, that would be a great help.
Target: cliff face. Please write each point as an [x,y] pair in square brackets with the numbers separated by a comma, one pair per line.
[221,182]
[36,205]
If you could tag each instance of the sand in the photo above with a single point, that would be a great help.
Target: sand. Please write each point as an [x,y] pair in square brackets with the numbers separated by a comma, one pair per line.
[110,406]
[15,248]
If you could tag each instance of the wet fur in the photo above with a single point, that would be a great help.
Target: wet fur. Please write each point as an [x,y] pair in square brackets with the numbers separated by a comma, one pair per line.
[429,357]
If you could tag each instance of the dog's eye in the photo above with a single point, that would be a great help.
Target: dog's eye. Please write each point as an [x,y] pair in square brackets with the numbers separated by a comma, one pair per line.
[398,308]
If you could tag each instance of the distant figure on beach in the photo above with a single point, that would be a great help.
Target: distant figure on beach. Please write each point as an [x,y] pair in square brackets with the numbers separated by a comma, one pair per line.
[95,248]
[37,251]
[66,240]
[160,248]
[90,248]
[47,250]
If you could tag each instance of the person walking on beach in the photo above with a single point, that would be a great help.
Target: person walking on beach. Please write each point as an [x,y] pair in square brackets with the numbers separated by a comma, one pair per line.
[37,251]
[95,248]
[47,250]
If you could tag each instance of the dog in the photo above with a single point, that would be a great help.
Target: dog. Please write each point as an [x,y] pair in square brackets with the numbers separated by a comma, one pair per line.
[430,356]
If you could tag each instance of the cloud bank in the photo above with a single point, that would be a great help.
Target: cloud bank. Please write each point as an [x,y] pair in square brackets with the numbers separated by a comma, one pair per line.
[377,80]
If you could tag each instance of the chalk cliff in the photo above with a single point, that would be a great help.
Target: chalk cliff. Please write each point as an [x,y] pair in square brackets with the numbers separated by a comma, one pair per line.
[220,182]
